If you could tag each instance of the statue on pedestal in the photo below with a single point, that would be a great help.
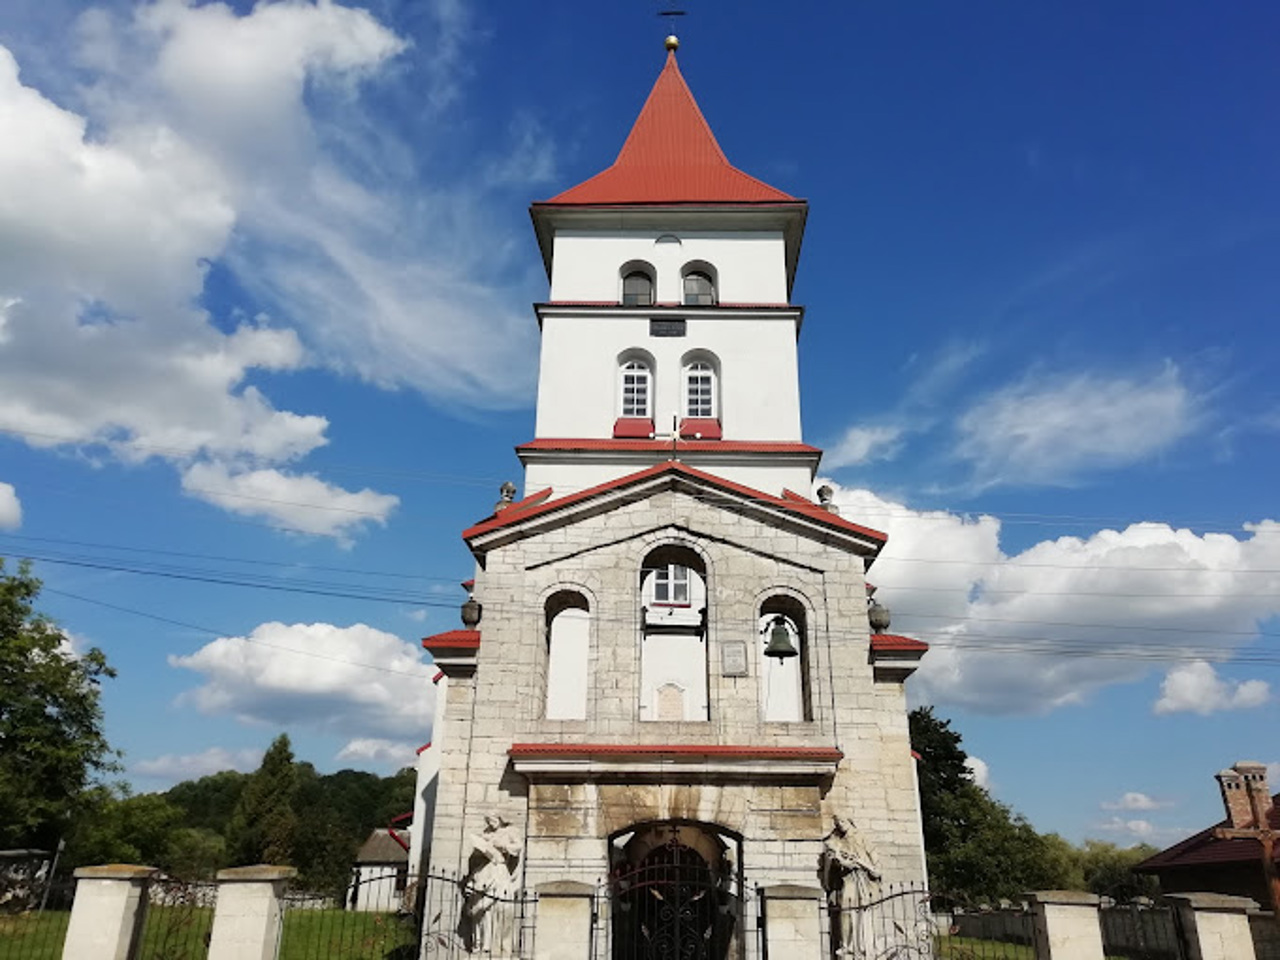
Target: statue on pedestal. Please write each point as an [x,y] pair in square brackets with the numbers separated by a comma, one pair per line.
[851,877]
[489,888]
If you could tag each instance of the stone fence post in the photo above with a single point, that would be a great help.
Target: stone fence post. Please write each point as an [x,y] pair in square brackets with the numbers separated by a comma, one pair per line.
[1215,925]
[108,912]
[792,919]
[1067,925]
[248,919]
[563,921]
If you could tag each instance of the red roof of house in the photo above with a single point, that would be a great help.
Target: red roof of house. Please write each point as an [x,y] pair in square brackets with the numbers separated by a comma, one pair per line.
[518,512]
[645,444]
[576,750]
[671,156]
[891,641]
[1204,848]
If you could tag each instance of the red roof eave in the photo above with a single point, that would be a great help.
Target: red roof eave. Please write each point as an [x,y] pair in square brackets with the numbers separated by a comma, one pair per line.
[885,642]
[453,640]
[646,445]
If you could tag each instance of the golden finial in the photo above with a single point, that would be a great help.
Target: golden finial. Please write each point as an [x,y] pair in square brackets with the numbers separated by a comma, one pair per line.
[672,42]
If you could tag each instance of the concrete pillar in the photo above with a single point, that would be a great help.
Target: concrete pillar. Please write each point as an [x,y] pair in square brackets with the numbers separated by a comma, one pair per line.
[108,912]
[1067,925]
[564,917]
[1215,926]
[248,919]
[792,919]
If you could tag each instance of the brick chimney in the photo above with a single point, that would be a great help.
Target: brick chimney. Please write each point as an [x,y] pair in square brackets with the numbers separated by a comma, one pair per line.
[1243,779]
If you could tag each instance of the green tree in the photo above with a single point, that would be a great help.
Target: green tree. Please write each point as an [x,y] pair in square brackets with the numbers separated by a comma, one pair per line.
[976,847]
[210,801]
[263,827]
[52,746]
[1108,870]
[123,829]
[195,853]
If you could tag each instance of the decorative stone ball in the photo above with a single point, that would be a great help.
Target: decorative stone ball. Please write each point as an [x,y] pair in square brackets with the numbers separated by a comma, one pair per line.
[878,614]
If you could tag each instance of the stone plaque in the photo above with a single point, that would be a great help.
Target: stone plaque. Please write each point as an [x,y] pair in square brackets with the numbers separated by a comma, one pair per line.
[666,328]
[733,658]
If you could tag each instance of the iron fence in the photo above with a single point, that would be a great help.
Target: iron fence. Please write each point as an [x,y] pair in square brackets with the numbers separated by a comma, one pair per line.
[35,909]
[911,922]
[177,921]
[1141,930]
[391,915]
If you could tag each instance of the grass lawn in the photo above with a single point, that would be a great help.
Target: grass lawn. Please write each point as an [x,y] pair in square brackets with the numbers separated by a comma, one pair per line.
[967,948]
[33,936]
[346,935]
[176,933]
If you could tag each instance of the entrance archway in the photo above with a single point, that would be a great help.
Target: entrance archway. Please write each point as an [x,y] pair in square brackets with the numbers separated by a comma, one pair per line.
[675,893]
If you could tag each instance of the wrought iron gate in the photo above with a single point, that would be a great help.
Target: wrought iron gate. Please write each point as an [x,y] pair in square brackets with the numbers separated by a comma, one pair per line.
[673,907]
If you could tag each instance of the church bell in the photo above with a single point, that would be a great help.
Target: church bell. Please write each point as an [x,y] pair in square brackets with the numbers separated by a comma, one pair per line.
[780,645]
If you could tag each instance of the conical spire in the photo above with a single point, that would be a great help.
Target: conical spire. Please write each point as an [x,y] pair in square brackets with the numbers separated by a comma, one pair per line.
[671,156]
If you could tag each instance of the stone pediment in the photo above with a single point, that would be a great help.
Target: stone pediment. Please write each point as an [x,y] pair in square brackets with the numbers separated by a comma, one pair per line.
[540,513]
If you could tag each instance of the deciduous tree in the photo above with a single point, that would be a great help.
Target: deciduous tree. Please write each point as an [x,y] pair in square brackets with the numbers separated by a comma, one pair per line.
[52,745]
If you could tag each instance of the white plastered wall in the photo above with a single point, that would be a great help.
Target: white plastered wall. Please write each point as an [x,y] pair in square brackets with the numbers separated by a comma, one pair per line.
[750,265]
[759,391]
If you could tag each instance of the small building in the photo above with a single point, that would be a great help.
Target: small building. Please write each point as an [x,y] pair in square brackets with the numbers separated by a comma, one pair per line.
[381,874]
[1205,863]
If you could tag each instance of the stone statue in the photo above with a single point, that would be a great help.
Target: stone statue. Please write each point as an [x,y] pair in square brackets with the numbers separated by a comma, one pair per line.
[490,886]
[851,877]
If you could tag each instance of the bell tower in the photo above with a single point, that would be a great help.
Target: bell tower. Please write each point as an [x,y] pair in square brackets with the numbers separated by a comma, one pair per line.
[669,332]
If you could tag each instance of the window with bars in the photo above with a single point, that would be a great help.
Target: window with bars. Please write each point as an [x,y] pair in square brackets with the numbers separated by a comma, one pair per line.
[700,390]
[699,289]
[637,289]
[635,388]
[671,584]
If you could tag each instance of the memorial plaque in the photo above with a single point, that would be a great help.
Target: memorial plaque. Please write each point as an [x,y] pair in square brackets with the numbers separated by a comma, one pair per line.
[733,657]
[666,328]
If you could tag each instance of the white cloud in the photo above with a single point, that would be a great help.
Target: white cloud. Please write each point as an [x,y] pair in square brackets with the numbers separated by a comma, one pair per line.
[1043,628]
[1196,687]
[10,508]
[864,444]
[355,681]
[173,767]
[193,134]
[393,754]
[1134,800]
[1137,830]
[1049,430]
[300,503]
[979,770]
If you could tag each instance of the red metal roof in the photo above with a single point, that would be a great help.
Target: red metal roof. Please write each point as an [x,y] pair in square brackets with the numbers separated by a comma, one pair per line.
[810,510]
[1204,848]
[891,641]
[425,747]
[822,754]
[453,640]
[439,673]
[671,156]
[697,446]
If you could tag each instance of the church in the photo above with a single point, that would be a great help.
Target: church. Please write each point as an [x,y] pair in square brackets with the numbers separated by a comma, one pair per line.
[673,712]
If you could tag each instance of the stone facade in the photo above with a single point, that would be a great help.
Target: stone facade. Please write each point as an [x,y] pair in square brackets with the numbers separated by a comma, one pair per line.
[569,813]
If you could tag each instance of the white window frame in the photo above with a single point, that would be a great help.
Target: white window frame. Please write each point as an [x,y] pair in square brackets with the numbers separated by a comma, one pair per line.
[708,407]
[669,583]
[639,369]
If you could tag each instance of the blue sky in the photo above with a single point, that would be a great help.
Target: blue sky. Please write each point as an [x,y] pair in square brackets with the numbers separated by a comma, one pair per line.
[264,285]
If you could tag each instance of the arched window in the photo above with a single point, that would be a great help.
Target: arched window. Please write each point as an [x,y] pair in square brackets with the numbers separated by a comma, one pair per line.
[699,289]
[784,681]
[635,388]
[700,390]
[568,655]
[673,659]
[637,289]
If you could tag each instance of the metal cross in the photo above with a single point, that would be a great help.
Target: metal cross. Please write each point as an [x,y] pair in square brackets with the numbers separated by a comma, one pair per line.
[1265,834]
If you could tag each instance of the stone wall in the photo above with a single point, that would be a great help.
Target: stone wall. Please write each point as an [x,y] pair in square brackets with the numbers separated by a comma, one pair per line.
[746,561]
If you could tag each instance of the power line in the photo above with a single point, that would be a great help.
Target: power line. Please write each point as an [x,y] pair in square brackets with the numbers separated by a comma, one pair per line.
[221,634]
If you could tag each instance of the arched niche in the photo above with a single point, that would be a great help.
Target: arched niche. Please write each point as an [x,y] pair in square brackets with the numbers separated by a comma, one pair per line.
[568,623]
[784,683]
[673,656]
